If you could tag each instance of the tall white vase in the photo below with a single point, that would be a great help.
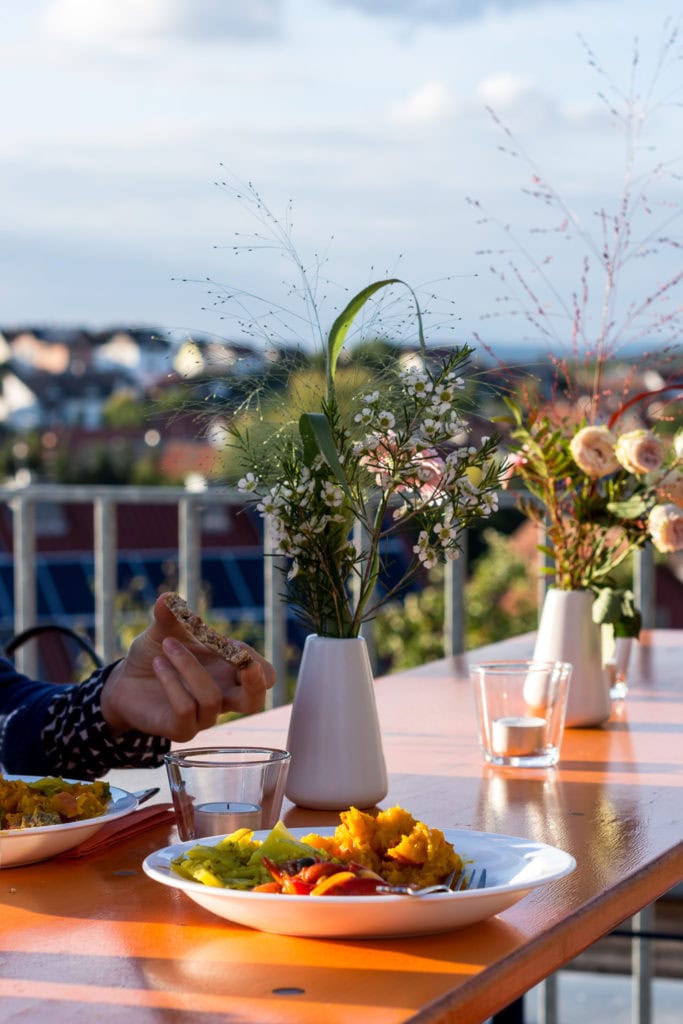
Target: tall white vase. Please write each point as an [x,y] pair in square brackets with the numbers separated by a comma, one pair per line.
[334,736]
[566,632]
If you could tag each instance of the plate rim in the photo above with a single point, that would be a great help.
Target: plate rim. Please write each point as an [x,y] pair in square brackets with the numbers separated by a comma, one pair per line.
[161,873]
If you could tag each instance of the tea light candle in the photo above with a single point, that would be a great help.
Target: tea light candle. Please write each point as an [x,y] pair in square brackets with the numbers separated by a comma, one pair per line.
[517,736]
[214,819]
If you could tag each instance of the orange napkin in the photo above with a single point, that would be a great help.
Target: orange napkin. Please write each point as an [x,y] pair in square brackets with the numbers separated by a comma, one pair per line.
[119,829]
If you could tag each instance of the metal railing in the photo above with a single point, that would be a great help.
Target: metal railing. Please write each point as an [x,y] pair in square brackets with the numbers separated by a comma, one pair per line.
[105,499]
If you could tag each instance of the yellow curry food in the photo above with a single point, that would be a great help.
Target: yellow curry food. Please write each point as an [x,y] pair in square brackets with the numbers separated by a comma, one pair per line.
[392,843]
[50,801]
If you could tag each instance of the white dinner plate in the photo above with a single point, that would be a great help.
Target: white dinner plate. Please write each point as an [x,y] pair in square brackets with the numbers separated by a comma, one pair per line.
[513,868]
[28,845]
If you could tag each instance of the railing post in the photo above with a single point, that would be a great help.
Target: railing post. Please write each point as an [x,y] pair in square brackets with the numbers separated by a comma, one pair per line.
[644,585]
[454,599]
[547,1000]
[25,597]
[274,616]
[105,576]
[189,549]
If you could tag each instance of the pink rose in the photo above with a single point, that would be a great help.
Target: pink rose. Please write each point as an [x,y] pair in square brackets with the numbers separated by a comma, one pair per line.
[665,524]
[639,451]
[593,451]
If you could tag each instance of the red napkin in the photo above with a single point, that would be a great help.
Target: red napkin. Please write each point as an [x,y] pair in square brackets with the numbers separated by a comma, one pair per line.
[119,829]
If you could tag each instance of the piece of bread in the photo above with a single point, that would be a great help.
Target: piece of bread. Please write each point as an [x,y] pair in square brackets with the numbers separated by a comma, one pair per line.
[194,624]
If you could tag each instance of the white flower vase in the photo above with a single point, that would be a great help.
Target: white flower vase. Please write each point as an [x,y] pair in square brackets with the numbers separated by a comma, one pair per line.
[566,632]
[334,736]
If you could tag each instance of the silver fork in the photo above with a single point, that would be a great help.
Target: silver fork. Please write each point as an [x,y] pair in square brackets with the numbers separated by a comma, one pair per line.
[466,880]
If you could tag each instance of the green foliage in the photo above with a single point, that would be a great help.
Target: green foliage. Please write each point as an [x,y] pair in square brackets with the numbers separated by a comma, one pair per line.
[270,418]
[410,632]
[375,354]
[123,410]
[500,601]
[617,608]
[500,596]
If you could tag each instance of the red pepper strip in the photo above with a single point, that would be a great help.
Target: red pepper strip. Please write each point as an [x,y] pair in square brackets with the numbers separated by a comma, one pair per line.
[336,881]
[347,883]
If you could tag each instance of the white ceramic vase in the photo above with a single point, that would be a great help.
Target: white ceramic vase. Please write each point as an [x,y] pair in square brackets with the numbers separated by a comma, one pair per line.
[334,735]
[566,632]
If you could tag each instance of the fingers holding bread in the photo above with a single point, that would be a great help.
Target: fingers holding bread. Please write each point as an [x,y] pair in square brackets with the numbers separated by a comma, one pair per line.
[232,651]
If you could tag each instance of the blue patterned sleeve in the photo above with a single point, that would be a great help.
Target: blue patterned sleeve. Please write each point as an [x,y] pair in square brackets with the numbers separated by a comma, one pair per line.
[77,740]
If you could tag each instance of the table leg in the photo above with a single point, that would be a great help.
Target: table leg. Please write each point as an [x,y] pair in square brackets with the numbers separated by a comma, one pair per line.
[512,1014]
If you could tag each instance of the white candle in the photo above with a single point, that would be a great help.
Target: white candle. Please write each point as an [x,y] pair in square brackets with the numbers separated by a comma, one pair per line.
[518,736]
[215,819]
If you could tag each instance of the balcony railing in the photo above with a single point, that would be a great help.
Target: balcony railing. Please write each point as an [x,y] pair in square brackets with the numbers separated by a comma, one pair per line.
[105,500]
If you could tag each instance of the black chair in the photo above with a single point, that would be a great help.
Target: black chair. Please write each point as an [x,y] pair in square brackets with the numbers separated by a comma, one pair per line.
[57,656]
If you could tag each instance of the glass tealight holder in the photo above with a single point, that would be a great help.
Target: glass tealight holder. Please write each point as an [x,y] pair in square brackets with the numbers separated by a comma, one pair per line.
[521,707]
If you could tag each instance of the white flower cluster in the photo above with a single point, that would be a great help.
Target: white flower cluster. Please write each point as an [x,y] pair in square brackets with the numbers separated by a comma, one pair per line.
[406,460]
[300,512]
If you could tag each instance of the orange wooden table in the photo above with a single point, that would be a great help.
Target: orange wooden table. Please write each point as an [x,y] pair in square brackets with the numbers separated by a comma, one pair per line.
[96,940]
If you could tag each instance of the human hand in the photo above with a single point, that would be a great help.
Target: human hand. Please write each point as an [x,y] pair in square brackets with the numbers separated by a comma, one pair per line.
[171,685]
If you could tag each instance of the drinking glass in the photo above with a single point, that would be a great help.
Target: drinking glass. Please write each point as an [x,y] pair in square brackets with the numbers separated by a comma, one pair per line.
[217,790]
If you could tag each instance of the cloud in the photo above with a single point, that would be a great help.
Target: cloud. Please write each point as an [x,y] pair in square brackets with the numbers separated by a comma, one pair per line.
[504,90]
[440,11]
[523,107]
[429,103]
[133,24]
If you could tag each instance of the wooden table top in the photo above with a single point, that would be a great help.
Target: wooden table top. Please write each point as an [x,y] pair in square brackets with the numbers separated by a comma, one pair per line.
[95,939]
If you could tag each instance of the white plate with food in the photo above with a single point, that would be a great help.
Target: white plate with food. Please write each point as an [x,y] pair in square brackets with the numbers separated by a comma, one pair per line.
[514,867]
[27,845]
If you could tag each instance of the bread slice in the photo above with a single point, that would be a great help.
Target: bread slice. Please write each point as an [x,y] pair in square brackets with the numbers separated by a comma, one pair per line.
[195,625]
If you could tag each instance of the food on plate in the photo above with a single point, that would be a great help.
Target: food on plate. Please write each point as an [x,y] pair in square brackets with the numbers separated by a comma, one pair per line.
[194,624]
[50,801]
[392,843]
[366,853]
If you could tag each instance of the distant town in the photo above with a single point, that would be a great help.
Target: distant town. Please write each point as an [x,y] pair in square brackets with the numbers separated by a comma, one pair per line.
[116,399]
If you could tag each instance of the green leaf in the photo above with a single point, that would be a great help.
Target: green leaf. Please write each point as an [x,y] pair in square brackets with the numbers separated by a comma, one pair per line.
[340,327]
[317,438]
[632,508]
[617,607]
[514,409]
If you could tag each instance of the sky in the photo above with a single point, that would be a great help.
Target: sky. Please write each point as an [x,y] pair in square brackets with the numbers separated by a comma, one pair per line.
[379,133]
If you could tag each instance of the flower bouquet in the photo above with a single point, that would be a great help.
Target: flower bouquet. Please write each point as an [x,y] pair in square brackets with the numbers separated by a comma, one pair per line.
[599,494]
[352,475]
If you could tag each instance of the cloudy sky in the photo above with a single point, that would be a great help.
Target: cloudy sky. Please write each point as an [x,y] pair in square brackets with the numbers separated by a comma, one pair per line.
[122,117]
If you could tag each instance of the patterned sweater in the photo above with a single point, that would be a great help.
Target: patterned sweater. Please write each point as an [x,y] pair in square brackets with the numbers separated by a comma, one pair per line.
[48,729]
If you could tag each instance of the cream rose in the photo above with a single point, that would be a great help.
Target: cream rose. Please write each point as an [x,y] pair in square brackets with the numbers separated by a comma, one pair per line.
[593,451]
[665,524]
[639,451]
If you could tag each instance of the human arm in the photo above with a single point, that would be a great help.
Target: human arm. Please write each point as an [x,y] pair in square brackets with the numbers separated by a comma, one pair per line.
[166,688]
[170,685]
